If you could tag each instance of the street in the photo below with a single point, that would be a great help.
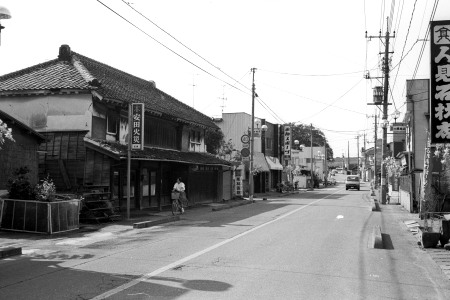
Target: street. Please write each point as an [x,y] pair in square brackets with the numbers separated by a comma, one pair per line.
[311,245]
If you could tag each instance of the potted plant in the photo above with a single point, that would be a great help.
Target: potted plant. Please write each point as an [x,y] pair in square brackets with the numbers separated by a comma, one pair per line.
[46,190]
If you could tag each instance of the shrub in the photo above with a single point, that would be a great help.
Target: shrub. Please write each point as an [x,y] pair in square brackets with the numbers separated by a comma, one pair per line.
[19,186]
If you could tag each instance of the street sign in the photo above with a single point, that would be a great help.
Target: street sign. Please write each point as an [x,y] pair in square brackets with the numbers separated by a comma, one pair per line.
[287,142]
[245,145]
[137,126]
[245,139]
[245,152]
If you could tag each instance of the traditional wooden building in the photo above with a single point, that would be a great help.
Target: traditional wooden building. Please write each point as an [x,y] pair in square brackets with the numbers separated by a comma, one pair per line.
[23,151]
[81,107]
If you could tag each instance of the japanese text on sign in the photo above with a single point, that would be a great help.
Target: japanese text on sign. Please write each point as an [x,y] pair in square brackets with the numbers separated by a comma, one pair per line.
[287,142]
[238,186]
[440,82]
[137,126]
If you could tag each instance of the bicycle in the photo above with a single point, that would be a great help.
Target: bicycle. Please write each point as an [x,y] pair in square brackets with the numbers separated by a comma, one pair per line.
[177,207]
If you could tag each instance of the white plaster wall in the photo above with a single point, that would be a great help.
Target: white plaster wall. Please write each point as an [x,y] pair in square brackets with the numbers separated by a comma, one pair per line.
[405,200]
[51,112]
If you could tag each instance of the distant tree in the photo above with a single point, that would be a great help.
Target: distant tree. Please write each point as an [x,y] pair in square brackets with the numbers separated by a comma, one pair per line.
[302,133]
[5,133]
[214,141]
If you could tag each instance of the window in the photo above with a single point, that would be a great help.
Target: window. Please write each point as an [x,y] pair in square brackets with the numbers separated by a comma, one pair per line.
[195,136]
[112,123]
[194,141]
[159,133]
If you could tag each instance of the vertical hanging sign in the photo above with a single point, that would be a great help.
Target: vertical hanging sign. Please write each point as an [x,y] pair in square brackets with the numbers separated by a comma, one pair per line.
[137,126]
[287,142]
[440,82]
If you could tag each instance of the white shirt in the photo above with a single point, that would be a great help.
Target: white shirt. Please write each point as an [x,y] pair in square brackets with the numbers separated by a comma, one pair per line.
[179,186]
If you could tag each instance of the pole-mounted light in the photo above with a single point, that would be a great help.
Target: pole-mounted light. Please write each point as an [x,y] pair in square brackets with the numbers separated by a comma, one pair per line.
[4,14]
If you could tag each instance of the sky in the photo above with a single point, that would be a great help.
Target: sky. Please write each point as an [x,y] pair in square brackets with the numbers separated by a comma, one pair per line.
[310,58]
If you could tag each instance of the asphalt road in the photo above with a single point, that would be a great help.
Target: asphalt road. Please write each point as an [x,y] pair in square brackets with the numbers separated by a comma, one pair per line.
[312,245]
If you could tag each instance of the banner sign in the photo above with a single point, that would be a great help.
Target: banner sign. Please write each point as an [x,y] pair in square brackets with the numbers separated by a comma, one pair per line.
[440,82]
[137,126]
[238,186]
[287,142]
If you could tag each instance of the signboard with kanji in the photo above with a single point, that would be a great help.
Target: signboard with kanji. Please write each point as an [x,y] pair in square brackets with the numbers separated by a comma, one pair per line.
[239,189]
[137,126]
[440,82]
[287,142]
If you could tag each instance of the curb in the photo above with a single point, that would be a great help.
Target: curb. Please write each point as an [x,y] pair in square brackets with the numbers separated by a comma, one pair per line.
[376,205]
[375,239]
[146,224]
[245,202]
[10,251]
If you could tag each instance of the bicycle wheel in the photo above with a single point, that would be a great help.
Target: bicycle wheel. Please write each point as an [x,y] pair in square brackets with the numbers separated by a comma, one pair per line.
[175,207]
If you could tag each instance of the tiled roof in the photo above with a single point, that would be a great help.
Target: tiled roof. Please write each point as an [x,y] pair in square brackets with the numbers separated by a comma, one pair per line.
[119,151]
[54,74]
[75,71]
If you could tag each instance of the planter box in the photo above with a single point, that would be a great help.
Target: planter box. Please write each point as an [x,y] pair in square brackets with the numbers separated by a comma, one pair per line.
[429,239]
[39,217]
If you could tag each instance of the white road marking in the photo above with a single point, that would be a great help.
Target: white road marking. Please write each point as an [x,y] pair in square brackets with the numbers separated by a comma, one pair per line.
[197,254]
[340,217]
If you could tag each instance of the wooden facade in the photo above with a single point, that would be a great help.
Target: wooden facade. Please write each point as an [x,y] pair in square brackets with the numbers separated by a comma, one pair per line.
[22,152]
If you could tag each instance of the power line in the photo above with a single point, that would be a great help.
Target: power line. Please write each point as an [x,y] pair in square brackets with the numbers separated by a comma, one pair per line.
[311,75]
[179,55]
[159,27]
[334,101]
[436,3]
[310,99]
[404,45]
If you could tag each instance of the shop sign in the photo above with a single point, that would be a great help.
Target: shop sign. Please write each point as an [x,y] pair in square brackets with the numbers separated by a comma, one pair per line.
[287,142]
[238,186]
[440,82]
[137,126]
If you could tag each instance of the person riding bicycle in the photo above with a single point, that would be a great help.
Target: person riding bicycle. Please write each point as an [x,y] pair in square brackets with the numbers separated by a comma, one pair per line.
[180,188]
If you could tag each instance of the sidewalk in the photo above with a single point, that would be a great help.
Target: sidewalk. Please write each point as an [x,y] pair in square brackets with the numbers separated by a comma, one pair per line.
[403,217]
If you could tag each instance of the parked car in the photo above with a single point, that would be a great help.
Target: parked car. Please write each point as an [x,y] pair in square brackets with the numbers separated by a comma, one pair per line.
[352,181]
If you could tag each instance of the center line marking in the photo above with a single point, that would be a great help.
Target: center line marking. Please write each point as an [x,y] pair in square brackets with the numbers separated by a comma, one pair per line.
[197,254]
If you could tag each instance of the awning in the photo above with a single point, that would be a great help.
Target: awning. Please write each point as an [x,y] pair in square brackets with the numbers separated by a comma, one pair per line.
[259,162]
[274,163]
[119,152]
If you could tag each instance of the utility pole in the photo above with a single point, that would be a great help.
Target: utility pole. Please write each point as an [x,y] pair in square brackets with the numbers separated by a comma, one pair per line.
[312,158]
[223,99]
[365,158]
[357,149]
[348,155]
[375,154]
[250,180]
[385,107]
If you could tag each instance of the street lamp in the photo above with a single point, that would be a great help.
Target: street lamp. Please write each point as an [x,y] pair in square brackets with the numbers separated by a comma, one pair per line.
[299,147]
[4,14]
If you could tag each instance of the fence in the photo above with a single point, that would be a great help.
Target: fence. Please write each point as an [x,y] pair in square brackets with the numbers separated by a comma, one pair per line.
[39,217]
